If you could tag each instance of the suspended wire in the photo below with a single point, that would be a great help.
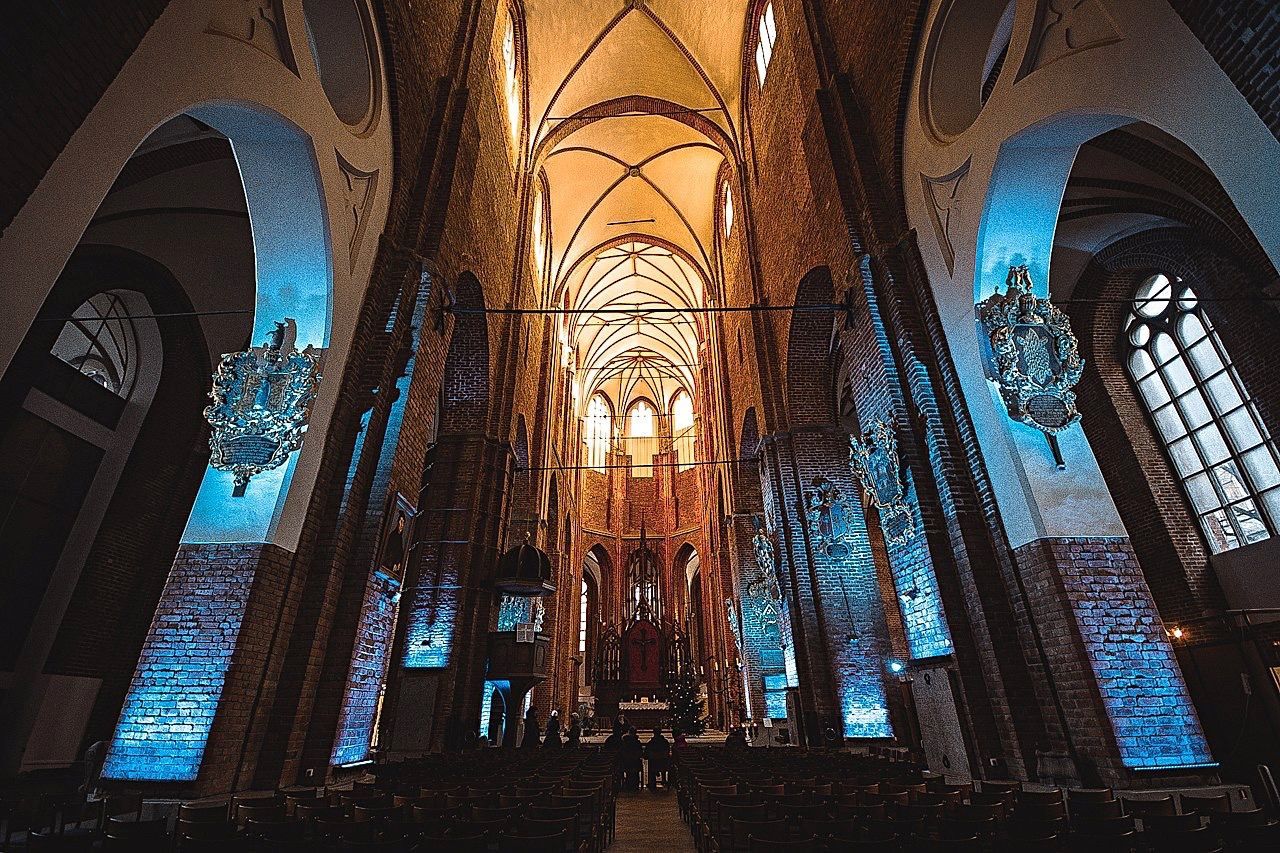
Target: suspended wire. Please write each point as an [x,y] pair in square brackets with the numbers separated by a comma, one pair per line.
[640,311]
[686,464]
[161,316]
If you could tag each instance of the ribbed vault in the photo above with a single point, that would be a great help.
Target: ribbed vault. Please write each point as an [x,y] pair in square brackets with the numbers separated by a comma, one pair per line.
[633,114]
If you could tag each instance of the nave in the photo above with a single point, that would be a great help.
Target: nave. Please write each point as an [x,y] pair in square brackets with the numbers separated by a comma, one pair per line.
[883,388]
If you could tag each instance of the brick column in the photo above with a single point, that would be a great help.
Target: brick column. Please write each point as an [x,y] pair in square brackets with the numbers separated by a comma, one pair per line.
[449,604]
[1112,665]
[186,718]
[840,653]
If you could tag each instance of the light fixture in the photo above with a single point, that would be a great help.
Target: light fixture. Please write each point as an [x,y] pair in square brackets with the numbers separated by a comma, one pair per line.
[896,666]
[1177,633]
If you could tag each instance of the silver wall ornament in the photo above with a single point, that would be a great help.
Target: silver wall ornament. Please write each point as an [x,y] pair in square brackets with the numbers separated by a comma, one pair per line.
[766,583]
[731,613]
[1033,355]
[261,401]
[874,460]
[828,519]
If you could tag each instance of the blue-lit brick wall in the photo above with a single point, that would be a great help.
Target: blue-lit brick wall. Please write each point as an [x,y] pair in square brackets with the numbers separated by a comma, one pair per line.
[430,616]
[919,600]
[170,707]
[1109,614]
[368,668]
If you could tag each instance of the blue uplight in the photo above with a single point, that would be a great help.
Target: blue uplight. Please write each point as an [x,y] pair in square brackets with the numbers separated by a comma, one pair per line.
[368,668]
[169,709]
[429,619]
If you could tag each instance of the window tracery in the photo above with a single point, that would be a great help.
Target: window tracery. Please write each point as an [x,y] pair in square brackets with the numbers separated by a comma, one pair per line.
[1211,431]
[101,342]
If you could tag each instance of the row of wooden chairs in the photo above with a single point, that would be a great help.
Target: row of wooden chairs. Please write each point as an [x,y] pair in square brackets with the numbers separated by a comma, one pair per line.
[737,809]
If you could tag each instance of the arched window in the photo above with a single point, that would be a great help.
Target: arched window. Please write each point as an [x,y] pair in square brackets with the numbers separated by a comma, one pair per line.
[642,441]
[727,191]
[582,621]
[100,341]
[684,433]
[766,36]
[511,68]
[538,231]
[642,578]
[1215,439]
[597,431]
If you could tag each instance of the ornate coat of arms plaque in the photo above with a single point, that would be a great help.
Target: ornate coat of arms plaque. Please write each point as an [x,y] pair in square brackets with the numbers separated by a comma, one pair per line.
[261,401]
[828,521]
[766,583]
[874,460]
[1033,355]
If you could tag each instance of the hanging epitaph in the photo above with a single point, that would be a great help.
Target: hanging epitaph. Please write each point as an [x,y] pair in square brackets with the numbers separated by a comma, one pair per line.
[874,460]
[828,519]
[261,401]
[1032,355]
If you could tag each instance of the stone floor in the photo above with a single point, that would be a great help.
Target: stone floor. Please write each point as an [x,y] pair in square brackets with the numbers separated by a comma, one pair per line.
[650,822]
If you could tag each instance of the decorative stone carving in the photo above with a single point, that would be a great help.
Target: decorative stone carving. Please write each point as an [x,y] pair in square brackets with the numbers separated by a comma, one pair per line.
[1068,27]
[358,189]
[261,401]
[1033,356]
[874,460]
[828,519]
[766,583]
[259,24]
[731,613]
[946,195]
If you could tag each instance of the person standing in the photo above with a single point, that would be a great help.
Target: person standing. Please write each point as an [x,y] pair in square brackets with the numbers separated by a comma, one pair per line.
[552,740]
[573,737]
[658,751]
[532,729]
[631,755]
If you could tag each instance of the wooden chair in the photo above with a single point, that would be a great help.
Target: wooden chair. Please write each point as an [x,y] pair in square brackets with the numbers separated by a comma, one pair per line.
[1026,797]
[1206,805]
[1089,795]
[530,844]
[742,830]
[1096,809]
[1143,807]
[793,845]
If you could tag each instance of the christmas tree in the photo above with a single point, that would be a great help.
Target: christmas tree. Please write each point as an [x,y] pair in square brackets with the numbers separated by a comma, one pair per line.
[686,707]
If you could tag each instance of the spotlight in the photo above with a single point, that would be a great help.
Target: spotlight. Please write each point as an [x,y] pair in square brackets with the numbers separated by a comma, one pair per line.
[896,667]
[1177,633]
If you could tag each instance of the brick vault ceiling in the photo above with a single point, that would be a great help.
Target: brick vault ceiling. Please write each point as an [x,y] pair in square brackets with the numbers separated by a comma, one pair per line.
[633,111]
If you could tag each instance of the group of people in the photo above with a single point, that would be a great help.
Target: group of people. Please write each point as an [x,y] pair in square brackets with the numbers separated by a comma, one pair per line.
[533,736]
[633,754]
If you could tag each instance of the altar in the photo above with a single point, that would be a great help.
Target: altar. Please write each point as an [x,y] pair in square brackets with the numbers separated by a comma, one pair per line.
[646,715]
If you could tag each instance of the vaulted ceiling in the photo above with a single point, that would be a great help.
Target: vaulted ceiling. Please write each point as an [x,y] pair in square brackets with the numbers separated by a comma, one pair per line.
[633,110]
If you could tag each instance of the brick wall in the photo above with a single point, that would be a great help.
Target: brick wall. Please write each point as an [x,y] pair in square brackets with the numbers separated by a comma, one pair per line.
[1089,600]
[1243,36]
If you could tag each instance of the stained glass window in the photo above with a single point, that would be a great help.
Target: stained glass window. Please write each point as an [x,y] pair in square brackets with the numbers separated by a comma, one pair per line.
[642,441]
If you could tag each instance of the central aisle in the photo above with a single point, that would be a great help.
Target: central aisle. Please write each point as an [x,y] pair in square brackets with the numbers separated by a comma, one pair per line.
[649,823]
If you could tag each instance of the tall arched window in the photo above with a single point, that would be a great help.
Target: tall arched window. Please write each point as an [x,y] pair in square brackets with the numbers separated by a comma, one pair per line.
[766,36]
[511,69]
[100,341]
[1211,430]
[684,433]
[538,230]
[727,192]
[597,431]
[642,442]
